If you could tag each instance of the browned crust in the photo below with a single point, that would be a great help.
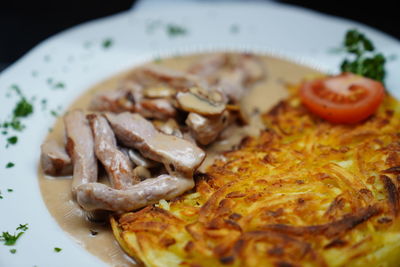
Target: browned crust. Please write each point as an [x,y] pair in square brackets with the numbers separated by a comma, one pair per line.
[330,230]
[393,195]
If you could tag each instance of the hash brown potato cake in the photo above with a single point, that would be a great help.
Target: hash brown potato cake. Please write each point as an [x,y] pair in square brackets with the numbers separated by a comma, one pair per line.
[304,193]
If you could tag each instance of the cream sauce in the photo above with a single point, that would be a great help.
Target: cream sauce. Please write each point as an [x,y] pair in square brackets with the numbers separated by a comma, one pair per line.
[56,192]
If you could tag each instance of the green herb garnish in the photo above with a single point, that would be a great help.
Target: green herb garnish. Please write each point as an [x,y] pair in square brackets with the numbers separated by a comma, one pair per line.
[12,251]
[23,227]
[16,89]
[23,108]
[59,85]
[57,249]
[10,190]
[175,30]
[12,140]
[54,113]
[362,59]
[9,239]
[10,165]
[234,29]
[107,43]
[16,124]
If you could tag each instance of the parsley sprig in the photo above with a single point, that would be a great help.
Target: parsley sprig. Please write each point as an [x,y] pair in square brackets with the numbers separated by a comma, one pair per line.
[362,58]
[9,239]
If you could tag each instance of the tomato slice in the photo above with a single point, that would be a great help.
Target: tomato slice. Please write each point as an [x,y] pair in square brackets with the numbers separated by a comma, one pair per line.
[344,98]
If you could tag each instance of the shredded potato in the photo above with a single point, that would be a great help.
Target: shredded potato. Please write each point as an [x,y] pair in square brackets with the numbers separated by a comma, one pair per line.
[304,193]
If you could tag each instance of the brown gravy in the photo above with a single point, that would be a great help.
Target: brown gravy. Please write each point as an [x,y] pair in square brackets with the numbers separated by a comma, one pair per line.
[98,239]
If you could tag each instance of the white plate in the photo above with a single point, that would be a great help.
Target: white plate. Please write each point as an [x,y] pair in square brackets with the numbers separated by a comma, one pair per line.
[77,58]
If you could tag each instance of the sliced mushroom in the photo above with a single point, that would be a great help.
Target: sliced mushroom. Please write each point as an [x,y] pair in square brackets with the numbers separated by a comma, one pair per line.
[117,164]
[159,92]
[80,147]
[170,127]
[54,159]
[193,101]
[206,130]
[177,155]
[97,196]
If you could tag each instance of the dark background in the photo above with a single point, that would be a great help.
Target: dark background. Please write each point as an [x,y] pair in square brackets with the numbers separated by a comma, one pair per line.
[23,24]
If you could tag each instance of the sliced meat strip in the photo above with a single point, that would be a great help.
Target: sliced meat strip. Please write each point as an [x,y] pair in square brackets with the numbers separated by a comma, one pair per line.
[253,68]
[112,101]
[80,147]
[206,130]
[154,75]
[231,74]
[231,84]
[139,160]
[117,164]
[209,65]
[54,159]
[97,196]
[177,154]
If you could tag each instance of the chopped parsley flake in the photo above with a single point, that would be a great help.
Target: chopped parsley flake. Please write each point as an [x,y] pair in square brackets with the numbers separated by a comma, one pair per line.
[392,57]
[23,227]
[59,85]
[9,239]
[13,251]
[54,113]
[57,249]
[87,44]
[23,108]
[10,165]
[16,89]
[175,30]
[17,125]
[10,190]
[107,43]
[12,140]
[43,102]
[234,29]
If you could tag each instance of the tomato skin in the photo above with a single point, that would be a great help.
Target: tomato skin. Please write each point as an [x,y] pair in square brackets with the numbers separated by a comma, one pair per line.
[333,98]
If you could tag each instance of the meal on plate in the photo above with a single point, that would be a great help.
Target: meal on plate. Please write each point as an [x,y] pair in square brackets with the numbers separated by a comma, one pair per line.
[190,175]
